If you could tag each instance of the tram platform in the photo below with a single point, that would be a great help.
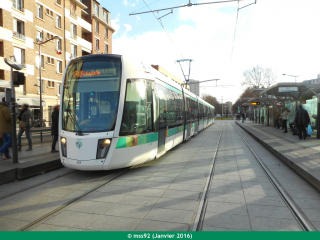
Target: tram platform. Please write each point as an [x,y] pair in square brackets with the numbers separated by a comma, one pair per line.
[31,163]
[303,156]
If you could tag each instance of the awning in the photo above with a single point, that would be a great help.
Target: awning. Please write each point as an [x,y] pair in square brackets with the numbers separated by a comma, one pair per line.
[30,101]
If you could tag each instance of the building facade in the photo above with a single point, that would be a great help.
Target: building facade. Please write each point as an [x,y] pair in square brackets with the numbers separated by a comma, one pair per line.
[194,87]
[26,23]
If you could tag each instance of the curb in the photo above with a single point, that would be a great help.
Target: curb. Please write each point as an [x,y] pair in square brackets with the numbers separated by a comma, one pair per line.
[315,182]
[25,170]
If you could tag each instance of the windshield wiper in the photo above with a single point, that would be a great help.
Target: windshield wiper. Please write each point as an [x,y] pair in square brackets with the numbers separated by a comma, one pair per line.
[75,123]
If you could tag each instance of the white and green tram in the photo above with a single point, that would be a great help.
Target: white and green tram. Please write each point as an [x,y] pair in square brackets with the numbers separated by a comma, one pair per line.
[116,112]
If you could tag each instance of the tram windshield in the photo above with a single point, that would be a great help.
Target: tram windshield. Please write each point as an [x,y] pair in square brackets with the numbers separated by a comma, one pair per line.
[91,94]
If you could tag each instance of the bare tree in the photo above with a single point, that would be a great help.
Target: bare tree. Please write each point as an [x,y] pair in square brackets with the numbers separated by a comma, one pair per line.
[259,77]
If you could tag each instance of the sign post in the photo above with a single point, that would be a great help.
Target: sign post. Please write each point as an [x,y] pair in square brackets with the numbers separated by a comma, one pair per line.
[17,66]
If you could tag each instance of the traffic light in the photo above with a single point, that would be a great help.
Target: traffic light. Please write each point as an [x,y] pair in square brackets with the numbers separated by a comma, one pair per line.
[245,105]
[18,78]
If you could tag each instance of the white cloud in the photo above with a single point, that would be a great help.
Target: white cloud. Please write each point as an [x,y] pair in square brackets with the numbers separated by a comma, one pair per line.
[269,34]
[115,25]
[128,27]
[125,3]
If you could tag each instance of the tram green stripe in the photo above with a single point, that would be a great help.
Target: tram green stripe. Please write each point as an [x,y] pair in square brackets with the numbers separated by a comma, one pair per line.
[169,86]
[131,141]
[173,131]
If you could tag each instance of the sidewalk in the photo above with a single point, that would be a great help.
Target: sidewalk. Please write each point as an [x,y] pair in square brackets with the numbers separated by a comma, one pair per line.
[31,163]
[303,156]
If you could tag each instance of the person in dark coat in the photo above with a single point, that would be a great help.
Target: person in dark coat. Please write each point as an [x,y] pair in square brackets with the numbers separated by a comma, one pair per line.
[302,120]
[55,128]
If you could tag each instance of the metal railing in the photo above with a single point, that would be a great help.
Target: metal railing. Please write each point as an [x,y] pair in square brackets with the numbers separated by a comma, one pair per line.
[19,35]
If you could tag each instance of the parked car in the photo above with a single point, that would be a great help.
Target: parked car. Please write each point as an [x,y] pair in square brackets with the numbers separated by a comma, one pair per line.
[218,116]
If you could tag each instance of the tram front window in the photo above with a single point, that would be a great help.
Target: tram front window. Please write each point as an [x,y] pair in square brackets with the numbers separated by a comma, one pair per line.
[91,94]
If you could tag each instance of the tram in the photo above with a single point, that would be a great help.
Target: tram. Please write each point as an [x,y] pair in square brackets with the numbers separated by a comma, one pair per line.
[117,112]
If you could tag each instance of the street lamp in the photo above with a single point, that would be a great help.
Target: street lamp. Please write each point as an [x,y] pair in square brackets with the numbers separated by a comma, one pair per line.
[295,77]
[40,42]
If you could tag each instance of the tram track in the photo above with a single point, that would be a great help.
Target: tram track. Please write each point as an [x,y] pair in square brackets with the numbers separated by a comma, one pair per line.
[55,211]
[299,215]
[302,219]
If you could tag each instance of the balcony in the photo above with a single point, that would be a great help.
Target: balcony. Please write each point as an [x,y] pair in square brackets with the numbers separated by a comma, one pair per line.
[18,6]
[73,14]
[85,43]
[19,36]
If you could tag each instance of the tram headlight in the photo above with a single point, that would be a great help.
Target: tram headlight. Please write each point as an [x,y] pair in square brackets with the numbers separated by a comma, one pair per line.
[103,148]
[63,146]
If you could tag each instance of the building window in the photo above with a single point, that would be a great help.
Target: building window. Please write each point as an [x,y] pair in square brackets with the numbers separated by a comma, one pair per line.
[40,36]
[106,33]
[39,11]
[73,9]
[48,60]
[49,83]
[73,30]
[96,9]
[18,4]
[73,51]
[97,45]
[19,55]
[58,21]
[58,44]
[49,12]
[52,61]
[59,89]
[1,18]
[105,16]
[42,61]
[97,27]
[58,2]
[106,48]
[18,29]
[59,66]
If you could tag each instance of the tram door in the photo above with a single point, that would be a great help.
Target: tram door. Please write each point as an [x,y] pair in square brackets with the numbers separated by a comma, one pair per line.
[162,119]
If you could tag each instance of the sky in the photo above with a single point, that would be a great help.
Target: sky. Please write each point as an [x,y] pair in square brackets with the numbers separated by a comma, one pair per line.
[280,34]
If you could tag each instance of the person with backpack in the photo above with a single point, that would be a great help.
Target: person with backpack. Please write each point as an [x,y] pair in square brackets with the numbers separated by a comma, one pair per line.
[5,130]
[302,120]
[24,126]
[55,128]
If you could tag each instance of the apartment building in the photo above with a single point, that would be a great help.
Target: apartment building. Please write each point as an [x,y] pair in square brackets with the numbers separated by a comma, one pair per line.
[24,23]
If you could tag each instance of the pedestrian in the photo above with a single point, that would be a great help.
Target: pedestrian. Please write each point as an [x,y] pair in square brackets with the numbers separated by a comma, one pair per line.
[302,120]
[5,130]
[24,126]
[55,128]
[276,119]
[285,114]
[243,116]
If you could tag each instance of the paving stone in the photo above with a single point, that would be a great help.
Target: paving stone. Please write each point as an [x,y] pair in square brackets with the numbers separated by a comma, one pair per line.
[104,197]
[181,194]
[170,215]
[265,200]
[261,192]
[50,227]
[113,223]
[274,224]
[216,229]
[7,224]
[152,192]
[228,197]
[150,225]
[222,220]
[174,203]
[91,207]
[139,200]
[186,187]
[269,211]
[73,219]
[130,211]
[227,208]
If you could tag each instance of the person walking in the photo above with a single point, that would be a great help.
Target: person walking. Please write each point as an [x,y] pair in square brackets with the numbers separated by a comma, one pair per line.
[55,128]
[276,119]
[243,116]
[5,130]
[24,126]
[285,114]
[302,120]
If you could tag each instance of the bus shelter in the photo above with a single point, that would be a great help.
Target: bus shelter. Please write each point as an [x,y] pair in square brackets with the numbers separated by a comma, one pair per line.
[291,95]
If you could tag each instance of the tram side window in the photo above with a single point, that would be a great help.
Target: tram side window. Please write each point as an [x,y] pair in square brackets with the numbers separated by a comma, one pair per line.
[149,107]
[171,108]
[134,120]
[188,109]
[179,109]
[201,111]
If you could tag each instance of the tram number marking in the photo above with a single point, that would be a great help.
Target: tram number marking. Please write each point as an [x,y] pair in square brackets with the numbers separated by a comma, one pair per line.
[78,162]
